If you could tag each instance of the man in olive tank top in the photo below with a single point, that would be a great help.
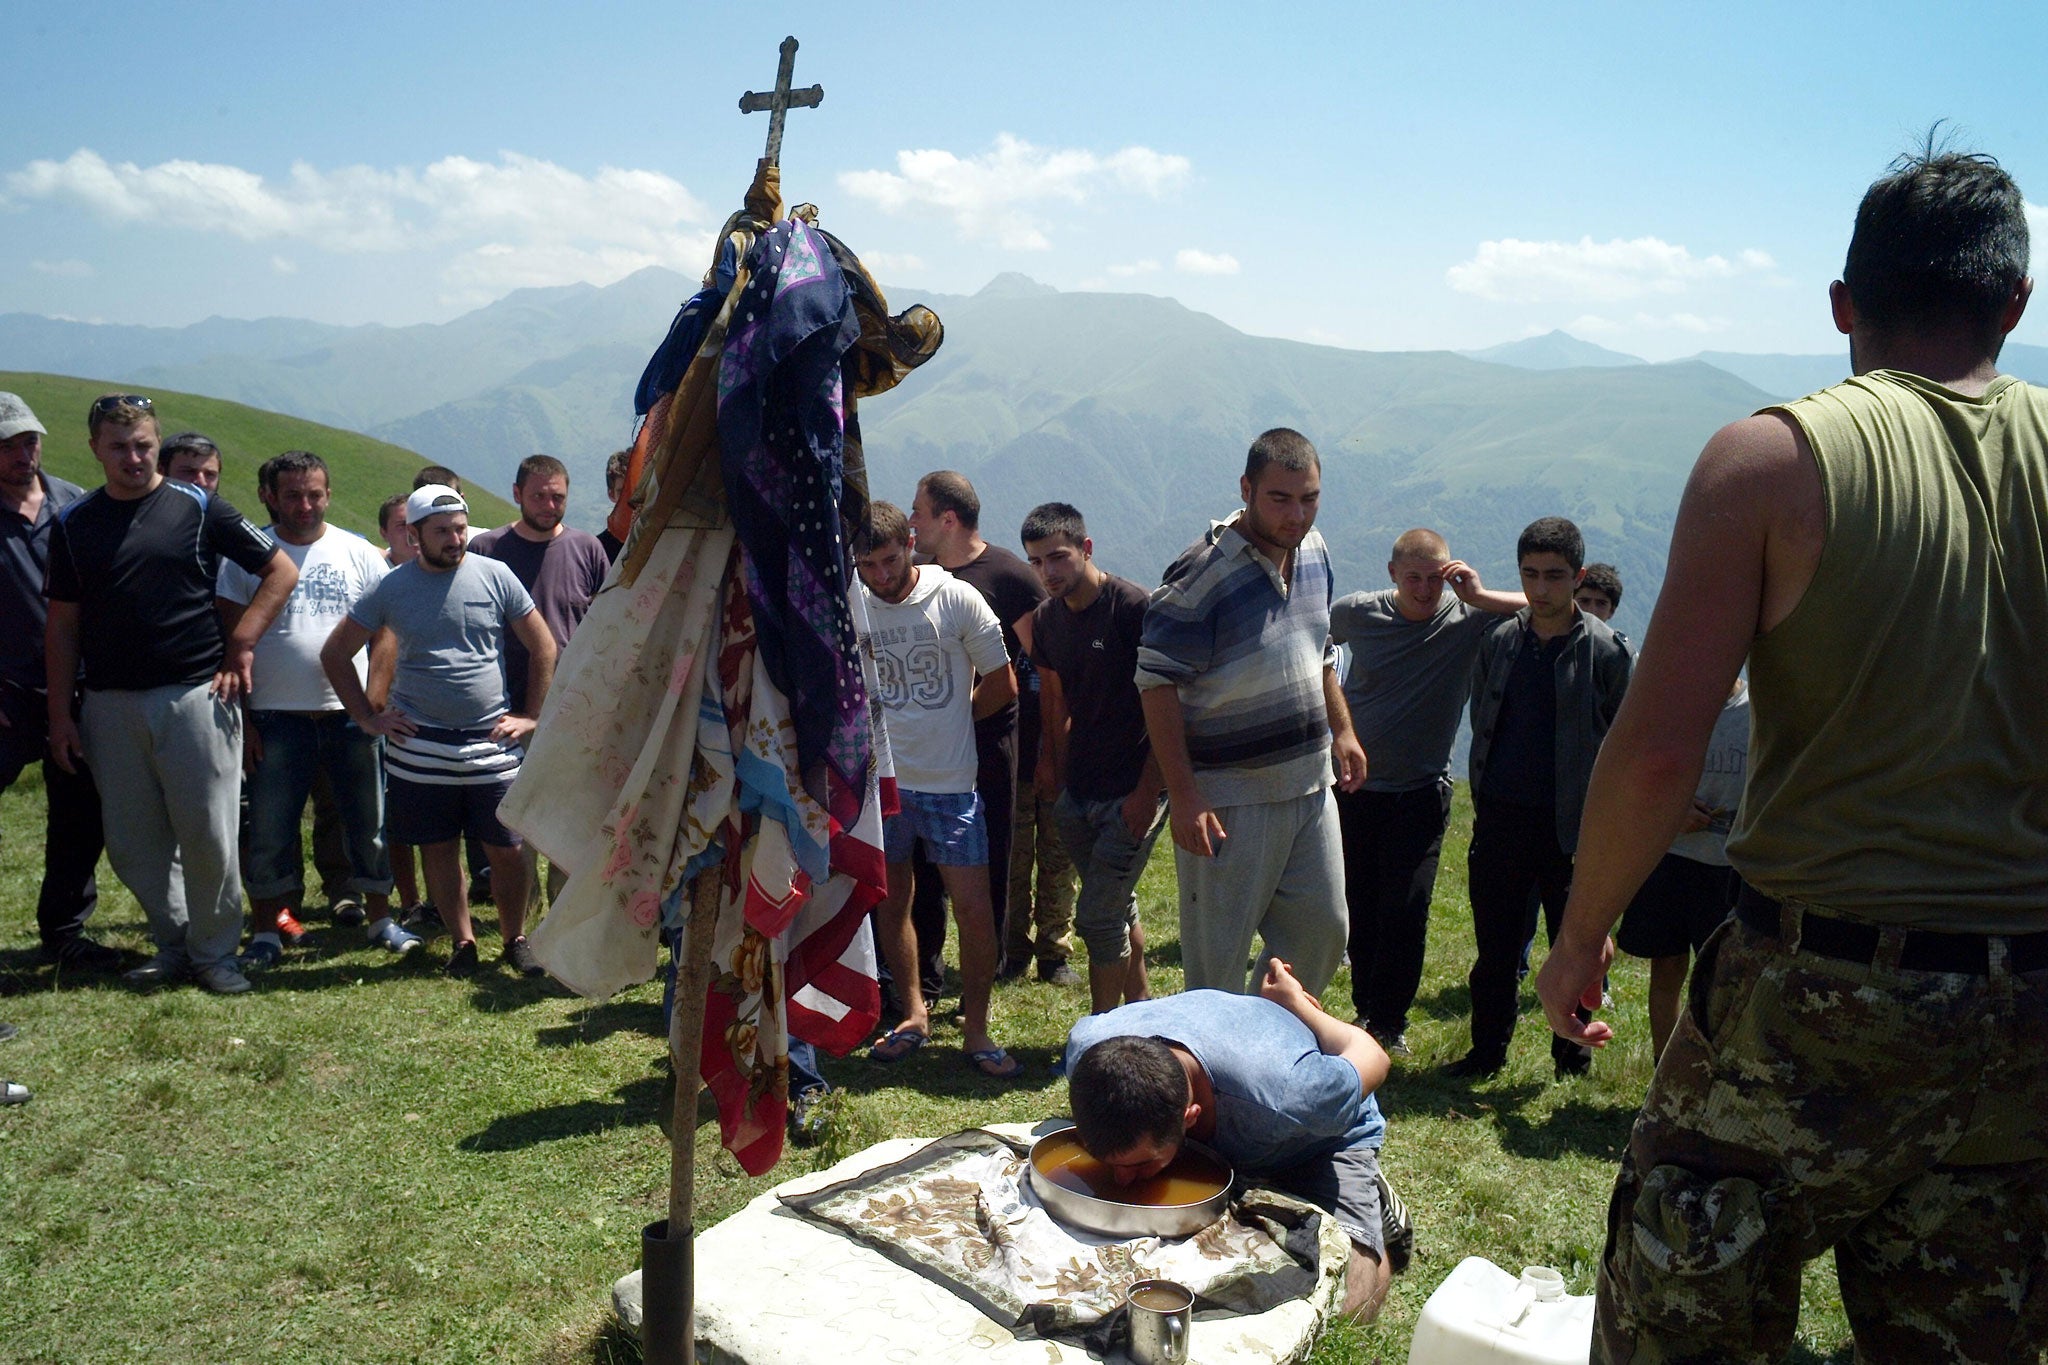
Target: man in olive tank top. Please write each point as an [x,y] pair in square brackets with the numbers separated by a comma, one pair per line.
[1862,1065]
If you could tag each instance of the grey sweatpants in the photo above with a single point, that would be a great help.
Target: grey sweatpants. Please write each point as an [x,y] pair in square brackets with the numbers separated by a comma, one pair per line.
[1280,875]
[168,761]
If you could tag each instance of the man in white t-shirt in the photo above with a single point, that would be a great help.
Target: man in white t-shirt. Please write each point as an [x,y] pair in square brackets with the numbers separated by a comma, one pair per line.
[940,665]
[297,726]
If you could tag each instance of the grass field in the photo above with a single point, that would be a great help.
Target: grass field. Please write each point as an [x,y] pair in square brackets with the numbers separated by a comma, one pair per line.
[364,1161]
[363,472]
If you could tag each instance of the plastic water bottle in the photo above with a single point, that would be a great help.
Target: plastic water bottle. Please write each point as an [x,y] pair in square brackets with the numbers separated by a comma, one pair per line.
[1481,1315]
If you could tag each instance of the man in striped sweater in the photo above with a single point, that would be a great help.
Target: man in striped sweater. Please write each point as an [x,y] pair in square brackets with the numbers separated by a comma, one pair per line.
[1246,717]
[453,737]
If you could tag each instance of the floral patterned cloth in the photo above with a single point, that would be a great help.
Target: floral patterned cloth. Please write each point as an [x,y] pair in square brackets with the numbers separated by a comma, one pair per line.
[960,1211]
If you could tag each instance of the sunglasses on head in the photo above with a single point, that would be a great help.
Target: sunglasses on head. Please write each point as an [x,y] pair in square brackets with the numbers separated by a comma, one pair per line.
[114,402]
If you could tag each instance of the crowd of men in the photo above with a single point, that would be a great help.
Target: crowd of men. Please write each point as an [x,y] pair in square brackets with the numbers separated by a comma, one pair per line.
[1858,1067]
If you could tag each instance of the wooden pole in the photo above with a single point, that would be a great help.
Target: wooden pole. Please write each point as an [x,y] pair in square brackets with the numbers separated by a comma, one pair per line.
[668,1322]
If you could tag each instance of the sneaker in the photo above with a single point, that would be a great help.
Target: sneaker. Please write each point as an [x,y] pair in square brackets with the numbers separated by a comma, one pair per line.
[263,953]
[462,962]
[223,979]
[1397,1230]
[387,934]
[424,920]
[1059,974]
[82,954]
[165,969]
[12,1093]
[519,953]
[480,888]
[1394,1044]
[1473,1067]
[807,1116]
[348,912]
[289,930]
[1013,969]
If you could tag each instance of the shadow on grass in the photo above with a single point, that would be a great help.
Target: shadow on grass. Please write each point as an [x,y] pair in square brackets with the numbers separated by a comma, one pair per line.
[24,972]
[1447,1002]
[1587,1128]
[602,1021]
[639,1103]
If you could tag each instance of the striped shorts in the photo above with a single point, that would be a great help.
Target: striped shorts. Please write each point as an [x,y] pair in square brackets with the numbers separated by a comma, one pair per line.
[441,784]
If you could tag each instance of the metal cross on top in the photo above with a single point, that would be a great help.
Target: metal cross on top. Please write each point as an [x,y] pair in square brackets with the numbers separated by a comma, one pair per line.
[780,101]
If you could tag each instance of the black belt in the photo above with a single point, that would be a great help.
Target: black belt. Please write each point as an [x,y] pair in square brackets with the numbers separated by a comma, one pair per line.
[1923,951]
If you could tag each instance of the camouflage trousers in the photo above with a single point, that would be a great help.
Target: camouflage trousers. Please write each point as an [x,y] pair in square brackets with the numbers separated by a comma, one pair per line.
[1804,1103]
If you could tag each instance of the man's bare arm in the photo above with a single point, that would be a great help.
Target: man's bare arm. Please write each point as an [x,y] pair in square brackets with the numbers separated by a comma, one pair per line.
[1334,1037]
[994,691]
[383,667]
[1464,581]
[60,674]
[1196,827]
[1345,750]
[530,630]
[275,581]
[1742,553]
[1049,773]
[338,662]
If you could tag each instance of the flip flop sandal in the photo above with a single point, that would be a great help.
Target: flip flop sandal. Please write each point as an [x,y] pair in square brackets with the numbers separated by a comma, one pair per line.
[903,1043]
[1007,1068]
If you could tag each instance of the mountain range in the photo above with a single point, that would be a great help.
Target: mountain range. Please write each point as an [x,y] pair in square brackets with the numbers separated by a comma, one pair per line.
[1133,407]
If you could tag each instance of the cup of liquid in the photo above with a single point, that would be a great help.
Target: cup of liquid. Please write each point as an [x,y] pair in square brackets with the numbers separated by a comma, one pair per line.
[1161,1312]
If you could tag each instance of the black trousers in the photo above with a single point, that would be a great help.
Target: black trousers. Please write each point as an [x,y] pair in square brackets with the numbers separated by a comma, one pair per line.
[1392,841]
[995,777]
[72,837]
[1514,852]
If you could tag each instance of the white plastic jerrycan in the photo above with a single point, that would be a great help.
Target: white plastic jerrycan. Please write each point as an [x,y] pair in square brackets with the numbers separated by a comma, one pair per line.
[1483,1314]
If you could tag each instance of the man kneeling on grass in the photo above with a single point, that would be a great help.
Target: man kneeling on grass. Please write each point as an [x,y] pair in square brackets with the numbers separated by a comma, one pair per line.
[1276,1086]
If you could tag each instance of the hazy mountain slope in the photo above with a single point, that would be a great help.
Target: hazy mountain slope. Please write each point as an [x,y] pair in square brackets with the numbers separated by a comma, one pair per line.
[1554,350]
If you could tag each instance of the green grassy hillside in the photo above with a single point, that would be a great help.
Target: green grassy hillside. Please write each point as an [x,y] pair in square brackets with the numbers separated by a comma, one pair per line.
[363,471]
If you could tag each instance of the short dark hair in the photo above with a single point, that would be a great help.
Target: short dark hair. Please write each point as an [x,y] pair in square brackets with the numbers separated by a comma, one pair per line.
[1283,446]
[1124,1090]
[1552,536]
[290,462]
[949,491]
[615,472]
[1604,579]
[886,526]
[539,466]
[183,443]
[1050,519]
[394,503]
[437,473]
[1940,239]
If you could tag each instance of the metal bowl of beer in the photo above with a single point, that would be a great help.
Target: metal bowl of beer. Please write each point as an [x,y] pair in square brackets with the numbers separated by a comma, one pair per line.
[1079,1191]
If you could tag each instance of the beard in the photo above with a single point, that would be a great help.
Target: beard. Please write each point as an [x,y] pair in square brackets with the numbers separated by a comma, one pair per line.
[443,559]
[544,522]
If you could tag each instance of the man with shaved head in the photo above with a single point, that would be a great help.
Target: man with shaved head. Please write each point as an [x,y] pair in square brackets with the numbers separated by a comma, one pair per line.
[1410,671]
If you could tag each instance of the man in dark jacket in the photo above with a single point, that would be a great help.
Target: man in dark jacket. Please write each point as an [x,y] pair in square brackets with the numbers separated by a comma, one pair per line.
[1546,686]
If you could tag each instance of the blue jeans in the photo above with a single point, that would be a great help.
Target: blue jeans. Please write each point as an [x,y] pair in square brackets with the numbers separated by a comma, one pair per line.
[295,746]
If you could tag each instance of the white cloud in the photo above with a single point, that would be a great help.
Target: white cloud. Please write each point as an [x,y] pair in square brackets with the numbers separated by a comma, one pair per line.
[70,269]
[2037,230]
[1189,261]
[891,263]
[284,265]
[1124,272]
[518,220]
[1514,271]
[988,196]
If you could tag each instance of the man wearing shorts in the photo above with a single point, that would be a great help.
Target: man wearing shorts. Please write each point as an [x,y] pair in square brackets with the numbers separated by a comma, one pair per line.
[931,636]
[1278,1088]
[452,737]
[1094,753]
[1692,888]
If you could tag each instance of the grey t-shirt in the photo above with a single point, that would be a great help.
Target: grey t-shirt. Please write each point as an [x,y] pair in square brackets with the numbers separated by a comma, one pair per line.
[1721,778]
[1407,683]
[451,631]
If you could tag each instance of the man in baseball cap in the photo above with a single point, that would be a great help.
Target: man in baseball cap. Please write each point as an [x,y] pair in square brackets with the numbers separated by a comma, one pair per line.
[453,737]
[30,501]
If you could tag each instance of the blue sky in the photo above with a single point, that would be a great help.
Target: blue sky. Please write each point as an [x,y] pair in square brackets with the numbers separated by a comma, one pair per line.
[1661,179]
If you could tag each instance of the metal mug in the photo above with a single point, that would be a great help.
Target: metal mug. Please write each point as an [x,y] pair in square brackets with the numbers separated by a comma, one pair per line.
[1160,1313]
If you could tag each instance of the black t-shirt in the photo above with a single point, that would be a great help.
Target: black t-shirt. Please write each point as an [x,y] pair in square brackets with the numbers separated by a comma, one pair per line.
[1012,590]
[143,574]
[1521,763]
[1095,654]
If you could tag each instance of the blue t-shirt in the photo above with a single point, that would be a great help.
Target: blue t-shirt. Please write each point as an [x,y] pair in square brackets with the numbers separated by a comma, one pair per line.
[1280,1099]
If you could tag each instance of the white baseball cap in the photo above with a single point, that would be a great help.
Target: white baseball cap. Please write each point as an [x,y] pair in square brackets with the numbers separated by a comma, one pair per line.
[17,417]
[431,500]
